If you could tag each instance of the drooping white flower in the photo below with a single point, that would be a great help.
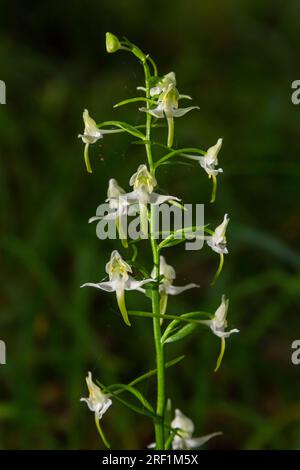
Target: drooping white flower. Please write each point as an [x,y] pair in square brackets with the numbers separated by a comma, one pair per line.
[119,281]
[166,285]
[98,402]
[167,104]
[218,323]
[217,241]
[117,203]
[184,428]
[91,134]
[209,161]
[120,207]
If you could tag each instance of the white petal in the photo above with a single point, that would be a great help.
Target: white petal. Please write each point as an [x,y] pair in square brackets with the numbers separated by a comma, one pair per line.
[132,284]
[103,408]
[182,422]
[157,112]
[156,90]
[195,442]
[223,334]
[175,290]
[186,97]
[157,199]
[108,286]
[182,111]
[215,247]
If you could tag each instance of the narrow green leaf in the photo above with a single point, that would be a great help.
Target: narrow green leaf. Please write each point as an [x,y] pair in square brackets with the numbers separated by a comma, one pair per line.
[134,100]
[125,126]
[152,372]
[182,333]
[178,152]
[133,391]
[143,411]
[187,317]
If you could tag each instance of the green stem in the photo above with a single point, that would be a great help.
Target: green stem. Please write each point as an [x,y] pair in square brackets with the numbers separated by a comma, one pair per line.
[148,119]
[160,361]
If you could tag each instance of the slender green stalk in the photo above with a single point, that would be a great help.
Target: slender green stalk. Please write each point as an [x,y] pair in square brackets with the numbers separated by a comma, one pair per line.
[160,365]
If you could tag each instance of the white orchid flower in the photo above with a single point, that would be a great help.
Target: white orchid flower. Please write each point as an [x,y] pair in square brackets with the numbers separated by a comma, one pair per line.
[209,162]
[98,402]
[184,428]
[161,85]
[218,325]
[91,135]
[120,207]
[119,281]
[143,184]
[166,287]
[217,241]
[167,106]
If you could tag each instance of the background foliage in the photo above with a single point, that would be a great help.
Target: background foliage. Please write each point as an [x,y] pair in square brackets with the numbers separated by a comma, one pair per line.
[237,59]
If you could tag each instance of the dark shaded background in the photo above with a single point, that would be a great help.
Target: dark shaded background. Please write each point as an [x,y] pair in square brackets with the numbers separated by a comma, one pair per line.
[237,59]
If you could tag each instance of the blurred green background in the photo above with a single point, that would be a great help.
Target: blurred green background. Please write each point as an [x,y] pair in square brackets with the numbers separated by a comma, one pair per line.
[238,60]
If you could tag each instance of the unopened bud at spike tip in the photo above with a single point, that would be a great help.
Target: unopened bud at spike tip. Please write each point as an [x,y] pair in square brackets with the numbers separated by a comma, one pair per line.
[112,43]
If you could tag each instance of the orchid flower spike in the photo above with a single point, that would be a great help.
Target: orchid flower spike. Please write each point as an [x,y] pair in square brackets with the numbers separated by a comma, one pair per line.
[98,402]
[91,135]
[143,184]
[119,281]
[217,241]
[166,285]
[184,428]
